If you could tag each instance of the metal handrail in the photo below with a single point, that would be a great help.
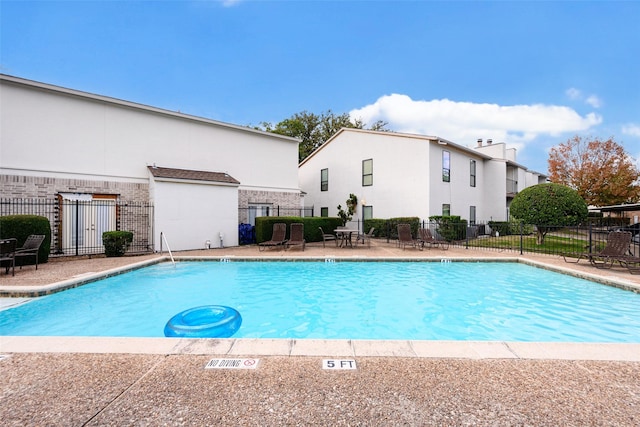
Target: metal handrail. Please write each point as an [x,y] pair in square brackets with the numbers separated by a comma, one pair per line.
[164,238]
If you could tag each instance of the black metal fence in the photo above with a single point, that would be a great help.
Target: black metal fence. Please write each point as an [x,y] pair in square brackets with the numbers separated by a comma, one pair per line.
[77,225]
[248,215]
[512,236]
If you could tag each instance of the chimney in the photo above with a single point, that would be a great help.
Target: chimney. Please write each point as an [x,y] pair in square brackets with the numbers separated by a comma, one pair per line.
[479,142]
[489,141]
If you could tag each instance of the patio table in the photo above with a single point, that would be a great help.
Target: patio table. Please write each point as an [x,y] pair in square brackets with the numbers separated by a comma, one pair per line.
[345,236]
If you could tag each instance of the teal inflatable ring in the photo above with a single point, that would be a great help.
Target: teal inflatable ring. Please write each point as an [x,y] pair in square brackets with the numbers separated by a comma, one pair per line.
[209,321]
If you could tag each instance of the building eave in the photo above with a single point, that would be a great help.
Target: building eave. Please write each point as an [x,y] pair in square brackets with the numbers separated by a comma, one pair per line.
[137,106]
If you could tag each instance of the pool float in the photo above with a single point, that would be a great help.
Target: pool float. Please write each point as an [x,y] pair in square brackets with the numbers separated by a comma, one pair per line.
[209,321]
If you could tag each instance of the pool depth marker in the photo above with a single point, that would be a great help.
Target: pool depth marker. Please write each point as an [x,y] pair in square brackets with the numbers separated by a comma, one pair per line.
[339,364]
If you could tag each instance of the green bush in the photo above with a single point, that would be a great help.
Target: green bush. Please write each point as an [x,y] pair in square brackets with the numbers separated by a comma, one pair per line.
[20,227]
[116,242]
[451,227]
[379,224]
[501,227]
[392,223]
[264,226]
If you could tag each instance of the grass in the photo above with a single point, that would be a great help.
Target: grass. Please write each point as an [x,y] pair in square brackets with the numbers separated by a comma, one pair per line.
[553,244]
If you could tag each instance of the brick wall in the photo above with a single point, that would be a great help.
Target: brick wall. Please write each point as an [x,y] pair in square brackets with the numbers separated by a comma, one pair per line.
[32,187]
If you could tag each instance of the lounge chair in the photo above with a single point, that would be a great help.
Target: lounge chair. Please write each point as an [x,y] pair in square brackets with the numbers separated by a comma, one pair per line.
[366,238]
[326,237]
[278,237]
[427,238]
[404,236]
[630,262]
[616,249]
[30,248]
[296,235]
[8,254]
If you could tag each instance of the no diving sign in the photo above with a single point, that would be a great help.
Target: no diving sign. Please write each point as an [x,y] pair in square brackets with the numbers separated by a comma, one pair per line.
[232,364]
[339,364]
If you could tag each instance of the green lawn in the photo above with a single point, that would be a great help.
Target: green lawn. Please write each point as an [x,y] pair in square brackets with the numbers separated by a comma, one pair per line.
[553,244]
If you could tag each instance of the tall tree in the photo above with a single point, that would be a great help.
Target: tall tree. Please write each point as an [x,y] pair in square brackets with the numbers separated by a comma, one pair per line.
[600,171]
[314,130]
[548,206]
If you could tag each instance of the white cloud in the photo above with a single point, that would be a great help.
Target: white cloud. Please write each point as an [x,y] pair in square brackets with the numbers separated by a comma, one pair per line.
[573,93]
[577,95]
[594,101]
[465,122]
[631,129]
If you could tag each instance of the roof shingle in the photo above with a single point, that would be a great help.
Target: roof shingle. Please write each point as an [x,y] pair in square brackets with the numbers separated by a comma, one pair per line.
[193,175]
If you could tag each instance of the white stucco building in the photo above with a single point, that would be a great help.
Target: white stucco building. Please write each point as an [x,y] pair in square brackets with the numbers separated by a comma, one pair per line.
[202,177]
[401,175]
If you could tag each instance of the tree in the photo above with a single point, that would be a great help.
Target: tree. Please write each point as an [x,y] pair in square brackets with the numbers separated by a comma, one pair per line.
[352,204]
[548,206]
[314,130]
[600,171]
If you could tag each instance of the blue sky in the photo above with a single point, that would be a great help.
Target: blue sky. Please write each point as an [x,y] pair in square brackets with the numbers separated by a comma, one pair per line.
[531,74]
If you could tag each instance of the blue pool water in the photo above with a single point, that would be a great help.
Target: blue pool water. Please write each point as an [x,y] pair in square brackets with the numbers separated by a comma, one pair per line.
[355,300]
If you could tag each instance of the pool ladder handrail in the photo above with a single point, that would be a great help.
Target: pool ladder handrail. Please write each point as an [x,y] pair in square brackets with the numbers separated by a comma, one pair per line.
[163,237]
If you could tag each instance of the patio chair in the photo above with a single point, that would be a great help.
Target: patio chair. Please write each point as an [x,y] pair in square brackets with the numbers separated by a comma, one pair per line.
[327,237]
[30,248]
[278,237]
[616,249]
[296,235]
[8,254]
[427,238]
[404,236]
[366,238]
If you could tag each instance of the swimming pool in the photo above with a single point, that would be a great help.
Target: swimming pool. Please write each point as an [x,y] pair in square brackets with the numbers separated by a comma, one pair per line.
[493,301]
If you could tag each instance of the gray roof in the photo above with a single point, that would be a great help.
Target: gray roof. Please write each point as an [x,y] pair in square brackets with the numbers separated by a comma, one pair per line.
[191,175]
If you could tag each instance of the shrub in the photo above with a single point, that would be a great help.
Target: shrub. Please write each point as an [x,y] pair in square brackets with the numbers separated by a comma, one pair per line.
[116,242]
[450,227]
[392,223]
[21,226]
[264,226]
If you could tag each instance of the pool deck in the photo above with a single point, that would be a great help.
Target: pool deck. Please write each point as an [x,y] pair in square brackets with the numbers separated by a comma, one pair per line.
[163,381]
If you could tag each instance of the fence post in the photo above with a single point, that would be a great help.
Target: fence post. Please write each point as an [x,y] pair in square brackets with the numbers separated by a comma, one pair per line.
[590,237]
[521,236]
[466,235]
[77,227]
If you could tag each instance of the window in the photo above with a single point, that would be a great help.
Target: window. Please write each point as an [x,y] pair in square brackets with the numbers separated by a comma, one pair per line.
[472,215]
[367,172]
[472,173]
[324,180]
[367,212]
[256,210]
[324,212]
[446,164]
[446,209]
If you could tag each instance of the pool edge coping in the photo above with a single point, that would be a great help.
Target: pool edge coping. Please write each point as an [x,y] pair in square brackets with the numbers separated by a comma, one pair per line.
[255,347]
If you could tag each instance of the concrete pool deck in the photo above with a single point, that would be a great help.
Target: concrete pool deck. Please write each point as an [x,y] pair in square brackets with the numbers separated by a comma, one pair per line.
[152,381]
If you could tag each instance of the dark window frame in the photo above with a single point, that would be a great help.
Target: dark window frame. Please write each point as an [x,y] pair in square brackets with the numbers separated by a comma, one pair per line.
[367,178]
[324,179]
[446,166]
[472,173]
